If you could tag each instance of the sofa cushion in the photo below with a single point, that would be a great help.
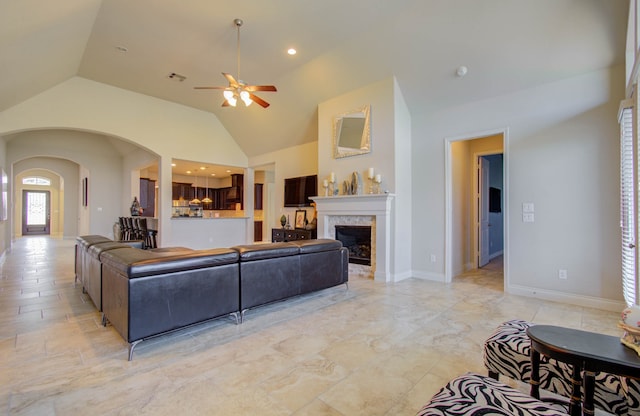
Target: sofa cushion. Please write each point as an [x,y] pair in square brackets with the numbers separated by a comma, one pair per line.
[139,263]
[95,249]
[252,252]
[85,241]
[170,249]
[314,246]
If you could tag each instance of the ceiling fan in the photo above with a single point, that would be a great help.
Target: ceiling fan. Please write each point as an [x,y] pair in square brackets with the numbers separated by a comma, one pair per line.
[237,88]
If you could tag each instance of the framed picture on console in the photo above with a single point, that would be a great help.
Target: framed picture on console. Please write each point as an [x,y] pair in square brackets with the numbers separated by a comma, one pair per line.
[301,218]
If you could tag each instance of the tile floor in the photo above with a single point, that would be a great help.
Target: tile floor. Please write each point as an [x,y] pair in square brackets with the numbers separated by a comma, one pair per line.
[374,349]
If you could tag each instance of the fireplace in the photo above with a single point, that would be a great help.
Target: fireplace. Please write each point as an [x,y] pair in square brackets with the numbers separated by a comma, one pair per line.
[373,210]
[357,239]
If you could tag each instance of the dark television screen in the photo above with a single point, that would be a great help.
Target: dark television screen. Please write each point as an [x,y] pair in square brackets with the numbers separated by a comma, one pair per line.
[298,190]
[495,200]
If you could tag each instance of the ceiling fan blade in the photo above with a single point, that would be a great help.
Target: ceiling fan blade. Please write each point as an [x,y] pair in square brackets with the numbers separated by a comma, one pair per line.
[232,81]
[252,88]
[226,103]
[258,100]
[210,88]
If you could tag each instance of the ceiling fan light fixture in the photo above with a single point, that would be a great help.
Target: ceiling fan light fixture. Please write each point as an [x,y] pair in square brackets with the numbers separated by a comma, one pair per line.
[239,89]
[244,95]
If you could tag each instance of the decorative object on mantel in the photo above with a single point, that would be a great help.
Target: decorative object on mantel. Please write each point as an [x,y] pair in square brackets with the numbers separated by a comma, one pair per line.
[377,180]
[283,220]
[325,185]
[370,175]
[351,133]
[332,183]
[631,325]
[352,187]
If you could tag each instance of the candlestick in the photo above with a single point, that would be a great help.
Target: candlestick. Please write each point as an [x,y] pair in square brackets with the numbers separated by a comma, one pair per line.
[325,185]
[332,177]
[378,180]
[370,173]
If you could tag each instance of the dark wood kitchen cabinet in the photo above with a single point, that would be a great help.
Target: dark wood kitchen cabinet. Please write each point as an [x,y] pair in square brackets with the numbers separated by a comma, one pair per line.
[147,197]
[182,190]
[257,231]
[257,196]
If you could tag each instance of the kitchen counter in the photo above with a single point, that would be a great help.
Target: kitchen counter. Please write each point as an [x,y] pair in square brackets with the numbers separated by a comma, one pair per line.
[204,233]
[209,218]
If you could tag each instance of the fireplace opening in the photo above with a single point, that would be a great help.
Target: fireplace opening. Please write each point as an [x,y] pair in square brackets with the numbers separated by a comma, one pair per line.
[357,239]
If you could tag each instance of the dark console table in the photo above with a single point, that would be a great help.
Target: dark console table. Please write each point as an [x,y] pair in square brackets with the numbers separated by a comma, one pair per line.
[282,234]
[585,351]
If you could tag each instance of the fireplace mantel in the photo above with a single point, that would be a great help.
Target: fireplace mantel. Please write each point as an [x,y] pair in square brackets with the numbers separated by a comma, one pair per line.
[376,205]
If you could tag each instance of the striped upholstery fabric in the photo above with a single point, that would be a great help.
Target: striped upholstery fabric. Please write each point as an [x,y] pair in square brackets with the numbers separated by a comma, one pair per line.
[507,352]
[473,394]
[631,389]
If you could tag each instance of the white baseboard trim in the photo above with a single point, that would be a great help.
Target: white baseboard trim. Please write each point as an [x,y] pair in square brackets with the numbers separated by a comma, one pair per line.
[436,277]
[570,298]
[402,276]
[496,254]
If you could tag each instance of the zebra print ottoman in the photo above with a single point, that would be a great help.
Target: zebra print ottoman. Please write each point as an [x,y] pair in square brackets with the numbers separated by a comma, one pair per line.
[507,352]
[473,394]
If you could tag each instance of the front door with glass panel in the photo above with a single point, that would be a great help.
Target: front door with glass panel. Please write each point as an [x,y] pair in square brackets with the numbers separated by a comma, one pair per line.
[36,216]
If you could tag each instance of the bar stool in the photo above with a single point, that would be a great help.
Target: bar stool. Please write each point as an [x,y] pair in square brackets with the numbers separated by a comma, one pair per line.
[130,231]
[146,235]
[123,229]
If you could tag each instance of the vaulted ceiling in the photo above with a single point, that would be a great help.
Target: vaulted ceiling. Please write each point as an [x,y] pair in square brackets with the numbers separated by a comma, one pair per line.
[342,45]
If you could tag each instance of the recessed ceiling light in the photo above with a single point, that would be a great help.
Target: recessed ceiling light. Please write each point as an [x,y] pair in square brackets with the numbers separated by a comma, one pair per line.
[122,49]
[188,171]
[213,174]
[292,51]
[173,164]
[228,171]
[202,168]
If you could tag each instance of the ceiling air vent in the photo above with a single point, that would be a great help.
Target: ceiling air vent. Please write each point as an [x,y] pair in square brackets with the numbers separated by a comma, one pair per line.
[176,77]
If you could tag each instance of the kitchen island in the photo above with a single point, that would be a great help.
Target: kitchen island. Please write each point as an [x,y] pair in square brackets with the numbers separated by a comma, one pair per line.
[202,233]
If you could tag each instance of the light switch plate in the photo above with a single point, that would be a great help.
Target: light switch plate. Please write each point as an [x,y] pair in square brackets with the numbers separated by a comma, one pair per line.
[528,217]
[528,207]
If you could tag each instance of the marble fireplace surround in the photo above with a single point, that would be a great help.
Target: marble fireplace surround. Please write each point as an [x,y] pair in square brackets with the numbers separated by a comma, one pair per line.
[368,209]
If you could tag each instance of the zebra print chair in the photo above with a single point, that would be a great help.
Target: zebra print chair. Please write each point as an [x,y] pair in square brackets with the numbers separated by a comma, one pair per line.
[472,394]
[507,352]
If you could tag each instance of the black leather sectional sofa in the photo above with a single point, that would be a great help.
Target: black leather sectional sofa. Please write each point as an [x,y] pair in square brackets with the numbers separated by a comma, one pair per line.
[146,293]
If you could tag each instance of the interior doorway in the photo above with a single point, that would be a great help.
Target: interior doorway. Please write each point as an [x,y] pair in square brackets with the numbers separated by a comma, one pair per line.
[36,212]
[477,204]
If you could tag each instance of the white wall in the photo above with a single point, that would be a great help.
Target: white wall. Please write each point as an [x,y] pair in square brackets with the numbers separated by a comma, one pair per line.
[562,155]
[92,152]
[159,126]
[291,162]
[401,221]
[64,199]
[131,165]
[5,226]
